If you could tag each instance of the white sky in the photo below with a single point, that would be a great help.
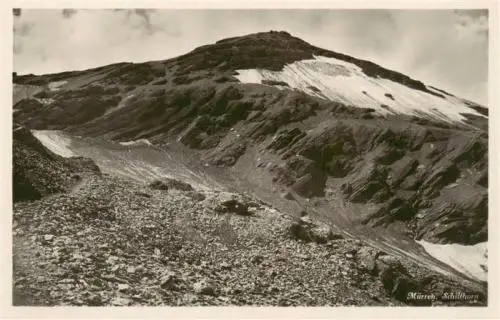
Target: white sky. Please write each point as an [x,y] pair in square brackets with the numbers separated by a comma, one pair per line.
[444,48]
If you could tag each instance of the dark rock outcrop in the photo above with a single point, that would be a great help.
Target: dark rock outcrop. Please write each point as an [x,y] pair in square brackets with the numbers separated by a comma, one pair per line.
[233,206]
[170,184]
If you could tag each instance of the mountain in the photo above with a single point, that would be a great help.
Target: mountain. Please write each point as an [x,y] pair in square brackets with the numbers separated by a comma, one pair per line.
[365,150]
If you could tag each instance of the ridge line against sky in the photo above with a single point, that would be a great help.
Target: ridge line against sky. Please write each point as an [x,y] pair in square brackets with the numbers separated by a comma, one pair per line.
[447,49]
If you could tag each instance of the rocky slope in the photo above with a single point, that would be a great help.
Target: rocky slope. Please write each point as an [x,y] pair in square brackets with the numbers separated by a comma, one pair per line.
[118,243]
[387,172]
[38,172]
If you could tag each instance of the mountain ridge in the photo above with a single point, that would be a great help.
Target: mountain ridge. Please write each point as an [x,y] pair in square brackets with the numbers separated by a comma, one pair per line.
[345,57]
[388,177]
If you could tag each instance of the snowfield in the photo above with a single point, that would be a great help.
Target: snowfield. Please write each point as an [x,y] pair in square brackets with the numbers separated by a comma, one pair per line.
[55,142]
[469,260]
[345,82]
[136,160]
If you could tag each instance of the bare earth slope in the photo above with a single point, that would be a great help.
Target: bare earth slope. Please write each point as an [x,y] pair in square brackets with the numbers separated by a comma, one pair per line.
[370,152]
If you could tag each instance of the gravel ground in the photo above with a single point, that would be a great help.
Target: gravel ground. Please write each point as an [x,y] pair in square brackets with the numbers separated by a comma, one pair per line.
[113,242]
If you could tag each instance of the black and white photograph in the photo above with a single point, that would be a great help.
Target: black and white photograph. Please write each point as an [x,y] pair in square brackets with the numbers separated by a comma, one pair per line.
[250,157]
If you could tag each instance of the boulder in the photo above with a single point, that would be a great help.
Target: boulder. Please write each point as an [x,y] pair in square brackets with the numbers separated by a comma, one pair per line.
[307,230]
[169,280]
[395,277]
[204,287]
[233,206]
[168,183]
[367,259]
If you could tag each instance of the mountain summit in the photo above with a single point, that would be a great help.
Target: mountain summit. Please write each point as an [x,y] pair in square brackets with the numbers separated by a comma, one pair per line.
[313,133]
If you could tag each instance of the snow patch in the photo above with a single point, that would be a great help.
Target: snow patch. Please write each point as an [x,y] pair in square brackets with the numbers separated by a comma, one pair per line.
[55,85]
[55,142]
[120,105]
[136,142]
[469,260]
[341,81]
[251,75]
[45,101]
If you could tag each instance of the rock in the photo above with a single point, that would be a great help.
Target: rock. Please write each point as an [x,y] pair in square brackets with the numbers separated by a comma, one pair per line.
[402,286]
[189,298]
[94,300]
[131,270]
[204,287]
[307,230]
[271,273]
[257,259]
[123,287]
[389,260]
[310,184]
[158,185]
[367,257]
[120,301]
[225,266]
[48,237]
[349,255]
[197,196]
[178,185]
[321,233]
[303,256]
[140,269]
[226,155]
[367,191]
[169,280]
[440,178]
[143,194]
[473,208]
[66,281]
[395,277]
[75,267]
[233,206]
[287,195]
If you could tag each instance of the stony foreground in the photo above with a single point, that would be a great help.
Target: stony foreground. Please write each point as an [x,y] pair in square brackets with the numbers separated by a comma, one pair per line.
[112,242]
